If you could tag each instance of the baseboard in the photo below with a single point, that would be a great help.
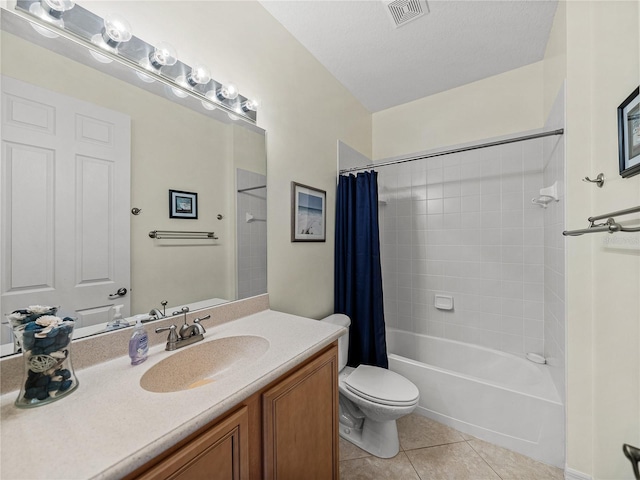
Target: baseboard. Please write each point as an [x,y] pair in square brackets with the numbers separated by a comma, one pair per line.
[571,474]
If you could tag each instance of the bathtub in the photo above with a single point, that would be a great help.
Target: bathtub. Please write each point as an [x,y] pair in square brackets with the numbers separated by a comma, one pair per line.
[492,395]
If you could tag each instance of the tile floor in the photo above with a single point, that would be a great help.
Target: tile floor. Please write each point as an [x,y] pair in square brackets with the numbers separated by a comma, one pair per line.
[432,451]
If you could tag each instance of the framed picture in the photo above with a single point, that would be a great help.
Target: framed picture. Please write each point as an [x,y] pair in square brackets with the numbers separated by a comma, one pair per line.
[629,135]
[183,204]
[308,213]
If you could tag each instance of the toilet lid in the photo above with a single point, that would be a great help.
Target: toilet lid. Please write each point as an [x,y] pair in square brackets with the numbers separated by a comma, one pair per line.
[382,386]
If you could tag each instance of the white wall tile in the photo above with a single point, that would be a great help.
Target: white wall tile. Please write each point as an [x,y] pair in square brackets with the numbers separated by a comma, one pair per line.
[434,206]
[471,186]
[434,191]
[463,225]
[251,238]
[452,205]
[451,173]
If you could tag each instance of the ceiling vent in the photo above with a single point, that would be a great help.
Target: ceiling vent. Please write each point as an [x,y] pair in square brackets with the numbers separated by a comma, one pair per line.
[404,11]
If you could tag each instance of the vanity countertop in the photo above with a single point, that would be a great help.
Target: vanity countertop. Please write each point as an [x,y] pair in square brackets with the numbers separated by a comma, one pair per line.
[110,426]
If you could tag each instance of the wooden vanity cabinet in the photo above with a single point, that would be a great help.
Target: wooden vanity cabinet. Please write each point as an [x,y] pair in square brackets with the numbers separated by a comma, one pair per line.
[222,451]
[286,431]
[300,423]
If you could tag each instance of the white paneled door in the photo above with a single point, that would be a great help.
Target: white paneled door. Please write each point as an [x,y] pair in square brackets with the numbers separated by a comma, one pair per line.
[64,201]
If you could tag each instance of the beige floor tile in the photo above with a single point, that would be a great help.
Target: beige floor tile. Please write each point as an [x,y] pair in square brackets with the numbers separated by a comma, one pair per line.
[374,468]
[466,436]
[348,451]
[416,431]
[456,461]
[511,465]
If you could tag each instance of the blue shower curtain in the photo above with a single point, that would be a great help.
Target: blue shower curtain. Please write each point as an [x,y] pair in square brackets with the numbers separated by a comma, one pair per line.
[358,274]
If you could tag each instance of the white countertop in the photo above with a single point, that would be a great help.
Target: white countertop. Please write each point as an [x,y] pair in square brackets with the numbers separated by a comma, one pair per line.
[110,426]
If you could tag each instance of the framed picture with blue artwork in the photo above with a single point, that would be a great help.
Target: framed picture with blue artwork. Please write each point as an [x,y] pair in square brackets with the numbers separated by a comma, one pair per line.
[183,204]
[629,135]
[308,213]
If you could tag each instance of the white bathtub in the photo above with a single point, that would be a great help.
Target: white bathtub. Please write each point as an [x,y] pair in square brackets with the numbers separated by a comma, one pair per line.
[492,395]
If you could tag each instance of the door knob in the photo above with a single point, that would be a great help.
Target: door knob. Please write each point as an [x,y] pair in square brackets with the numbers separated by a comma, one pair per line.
[120,293]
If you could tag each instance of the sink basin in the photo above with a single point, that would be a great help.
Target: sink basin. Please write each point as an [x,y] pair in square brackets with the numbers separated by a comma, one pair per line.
[203,363]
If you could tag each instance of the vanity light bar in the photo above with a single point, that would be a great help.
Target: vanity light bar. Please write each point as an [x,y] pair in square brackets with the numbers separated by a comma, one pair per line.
[80,25]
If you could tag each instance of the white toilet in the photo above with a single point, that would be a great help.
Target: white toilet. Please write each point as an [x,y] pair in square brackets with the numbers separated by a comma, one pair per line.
[371,400]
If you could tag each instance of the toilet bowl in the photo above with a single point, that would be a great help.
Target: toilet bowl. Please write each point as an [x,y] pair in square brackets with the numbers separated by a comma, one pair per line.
[371,400]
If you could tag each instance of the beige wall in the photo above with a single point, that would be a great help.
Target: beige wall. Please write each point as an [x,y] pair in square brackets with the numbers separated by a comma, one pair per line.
[303,108]
[554,66]
[507,103]
[603,281]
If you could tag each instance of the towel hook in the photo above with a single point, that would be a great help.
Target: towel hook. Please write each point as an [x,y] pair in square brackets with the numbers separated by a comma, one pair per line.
[598,181]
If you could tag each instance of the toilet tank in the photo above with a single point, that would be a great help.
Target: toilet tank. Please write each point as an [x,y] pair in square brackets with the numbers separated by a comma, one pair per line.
[341,320]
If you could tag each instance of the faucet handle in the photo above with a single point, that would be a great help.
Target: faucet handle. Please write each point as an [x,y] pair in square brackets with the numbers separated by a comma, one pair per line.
[196,321]
[173,335]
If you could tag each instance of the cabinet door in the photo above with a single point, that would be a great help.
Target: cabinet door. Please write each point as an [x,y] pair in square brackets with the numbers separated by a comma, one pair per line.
[220,453]
[300,420]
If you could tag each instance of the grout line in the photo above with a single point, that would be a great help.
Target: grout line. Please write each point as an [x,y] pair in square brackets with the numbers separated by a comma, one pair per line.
[483,459]
[433,446]
[413,466]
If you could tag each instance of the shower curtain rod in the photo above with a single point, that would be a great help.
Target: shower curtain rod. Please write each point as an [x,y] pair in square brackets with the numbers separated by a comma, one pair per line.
[533,136]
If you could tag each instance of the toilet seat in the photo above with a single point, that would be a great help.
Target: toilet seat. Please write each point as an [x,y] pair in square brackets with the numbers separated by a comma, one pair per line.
[381,386]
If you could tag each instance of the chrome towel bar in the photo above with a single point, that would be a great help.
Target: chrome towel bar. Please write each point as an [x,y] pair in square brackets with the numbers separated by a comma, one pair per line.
[177,234]
[610,226]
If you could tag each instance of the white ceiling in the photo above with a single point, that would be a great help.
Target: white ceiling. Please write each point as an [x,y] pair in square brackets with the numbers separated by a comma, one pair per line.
[458,42]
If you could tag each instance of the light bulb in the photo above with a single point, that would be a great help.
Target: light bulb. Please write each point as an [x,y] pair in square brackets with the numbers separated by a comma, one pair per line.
[57,8]
[183,83]
[144,77]
[44,31]
[43,12]
[164,54]
[179,93]
[100,58]
[228,92]
[250,105]
[199,75]
[211,95]
[116,30]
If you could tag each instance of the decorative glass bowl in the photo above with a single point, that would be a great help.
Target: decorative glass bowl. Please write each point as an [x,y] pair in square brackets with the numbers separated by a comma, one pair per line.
[21,318]
[45,341]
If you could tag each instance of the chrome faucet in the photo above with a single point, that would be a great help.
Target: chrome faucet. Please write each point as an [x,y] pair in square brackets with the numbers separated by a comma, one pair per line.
[157,313]
[186,330]
[187,334]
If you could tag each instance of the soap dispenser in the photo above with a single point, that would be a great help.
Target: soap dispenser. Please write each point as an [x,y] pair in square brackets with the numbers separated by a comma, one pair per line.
[138,344]
[117,321]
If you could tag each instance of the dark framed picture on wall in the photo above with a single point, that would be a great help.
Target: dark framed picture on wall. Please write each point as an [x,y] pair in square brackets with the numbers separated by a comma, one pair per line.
[629,135]
[308,213]
[183,204]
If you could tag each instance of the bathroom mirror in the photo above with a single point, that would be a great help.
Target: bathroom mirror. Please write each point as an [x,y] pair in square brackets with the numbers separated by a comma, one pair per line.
[56,229]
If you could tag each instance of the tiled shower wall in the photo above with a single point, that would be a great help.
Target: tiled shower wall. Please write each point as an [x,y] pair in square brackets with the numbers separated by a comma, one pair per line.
[554,250]
[251,234]
[464,225]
